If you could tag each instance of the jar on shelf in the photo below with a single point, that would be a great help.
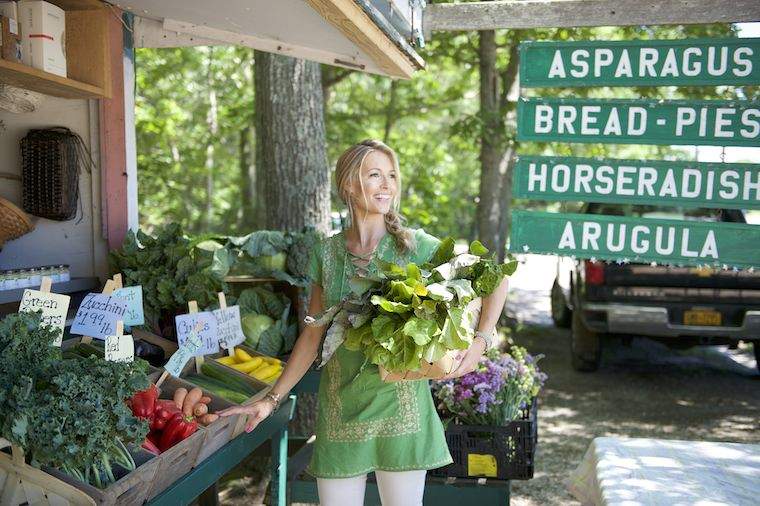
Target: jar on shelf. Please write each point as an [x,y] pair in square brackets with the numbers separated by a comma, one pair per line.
[65,274]
[34,278]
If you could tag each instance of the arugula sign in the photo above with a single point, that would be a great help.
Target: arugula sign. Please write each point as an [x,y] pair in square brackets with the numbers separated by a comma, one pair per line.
[686,184]
[685,62]
[621,121]
[636,240]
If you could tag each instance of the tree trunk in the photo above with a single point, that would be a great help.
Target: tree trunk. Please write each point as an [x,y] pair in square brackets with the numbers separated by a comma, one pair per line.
[213,129]
[489,204]
[290,144]
[390,110]
[291,162]
[247,183]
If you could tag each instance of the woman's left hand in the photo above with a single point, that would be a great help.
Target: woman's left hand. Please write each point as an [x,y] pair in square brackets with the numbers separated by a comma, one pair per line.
[470,358]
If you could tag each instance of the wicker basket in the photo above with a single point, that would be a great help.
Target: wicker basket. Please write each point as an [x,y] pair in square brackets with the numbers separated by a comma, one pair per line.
[51,160]
[13,222]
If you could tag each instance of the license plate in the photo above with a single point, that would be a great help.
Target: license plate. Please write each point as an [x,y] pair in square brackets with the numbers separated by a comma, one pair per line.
[701,317]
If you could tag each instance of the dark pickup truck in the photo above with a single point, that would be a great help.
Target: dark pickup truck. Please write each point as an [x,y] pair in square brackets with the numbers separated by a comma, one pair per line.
[679,306]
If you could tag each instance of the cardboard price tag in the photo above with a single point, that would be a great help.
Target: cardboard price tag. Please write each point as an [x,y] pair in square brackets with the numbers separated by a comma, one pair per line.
[98,314]
[120,348]
[188,349]
[481,465]
[205,322]
[54,307]
[133,295]
[229,328]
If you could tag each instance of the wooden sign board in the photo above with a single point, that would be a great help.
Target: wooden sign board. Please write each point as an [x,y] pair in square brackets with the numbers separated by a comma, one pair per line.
[684,184]
[686,62]
[622,121]
[635,239]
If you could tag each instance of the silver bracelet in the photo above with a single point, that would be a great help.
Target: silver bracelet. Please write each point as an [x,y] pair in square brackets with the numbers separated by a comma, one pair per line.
[487,337]
[275,398]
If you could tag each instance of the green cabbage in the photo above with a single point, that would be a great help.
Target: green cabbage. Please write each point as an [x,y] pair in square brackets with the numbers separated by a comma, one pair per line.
[253,326]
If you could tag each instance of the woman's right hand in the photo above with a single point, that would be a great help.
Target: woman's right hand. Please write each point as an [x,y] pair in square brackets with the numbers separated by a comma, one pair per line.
[256,412]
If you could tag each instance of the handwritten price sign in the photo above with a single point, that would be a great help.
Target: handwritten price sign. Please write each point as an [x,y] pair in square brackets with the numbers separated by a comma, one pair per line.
[120,348]
[188,349]
[97,315]
[54,307]
[229,329]
[133,295]
[206,330]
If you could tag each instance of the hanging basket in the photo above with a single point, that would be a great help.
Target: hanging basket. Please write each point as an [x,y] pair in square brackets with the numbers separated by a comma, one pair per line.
[19,100]
[13,222]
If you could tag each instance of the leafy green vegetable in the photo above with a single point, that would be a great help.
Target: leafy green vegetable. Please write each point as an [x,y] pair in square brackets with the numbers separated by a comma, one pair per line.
[417,312]
[278,337]
[253,326]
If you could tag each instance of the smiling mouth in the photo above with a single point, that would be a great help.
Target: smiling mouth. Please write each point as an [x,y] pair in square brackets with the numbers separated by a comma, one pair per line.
[383,198]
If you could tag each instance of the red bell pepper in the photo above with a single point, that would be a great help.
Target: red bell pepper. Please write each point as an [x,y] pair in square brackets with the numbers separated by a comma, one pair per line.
[178,428]
[165,410]
[149,445]
[144,402]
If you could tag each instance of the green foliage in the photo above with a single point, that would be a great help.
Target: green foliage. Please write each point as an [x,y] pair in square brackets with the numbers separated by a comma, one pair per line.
[279,333]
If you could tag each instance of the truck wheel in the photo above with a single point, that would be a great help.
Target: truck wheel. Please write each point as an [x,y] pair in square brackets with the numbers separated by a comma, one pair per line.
[585,346]
[561,314]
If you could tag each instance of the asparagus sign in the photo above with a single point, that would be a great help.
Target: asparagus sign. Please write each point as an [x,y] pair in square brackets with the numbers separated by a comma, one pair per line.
[622,121]
[685,62]
[636,240]
[686,184]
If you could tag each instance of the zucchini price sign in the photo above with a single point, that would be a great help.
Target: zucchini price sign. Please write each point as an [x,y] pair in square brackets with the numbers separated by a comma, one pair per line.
[685,62]
[621,121]
[684,184]
[635,240]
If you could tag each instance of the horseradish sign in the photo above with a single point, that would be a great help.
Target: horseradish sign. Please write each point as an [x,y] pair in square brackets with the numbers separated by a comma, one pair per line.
[620,121]
[640,63]
[635,239]
[687,184]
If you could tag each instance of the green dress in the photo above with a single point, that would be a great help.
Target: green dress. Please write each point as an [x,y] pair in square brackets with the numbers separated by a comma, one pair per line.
[365,424]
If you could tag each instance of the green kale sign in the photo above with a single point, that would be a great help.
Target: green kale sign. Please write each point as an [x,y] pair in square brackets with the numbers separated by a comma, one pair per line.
[621,121]
[636,240]
[685,184]
[687,62]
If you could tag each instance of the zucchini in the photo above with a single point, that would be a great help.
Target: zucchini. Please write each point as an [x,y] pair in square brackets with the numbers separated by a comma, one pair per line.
[217,389]
[229,378]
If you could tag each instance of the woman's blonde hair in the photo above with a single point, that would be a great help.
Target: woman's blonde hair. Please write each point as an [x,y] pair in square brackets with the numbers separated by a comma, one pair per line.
[348,171]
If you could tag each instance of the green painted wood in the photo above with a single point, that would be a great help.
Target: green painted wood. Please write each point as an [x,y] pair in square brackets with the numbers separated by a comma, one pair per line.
[636,239]
[620,121]
[686,62]
[278,487]
[683,184]
[190,486]
[309,383]
[436,492]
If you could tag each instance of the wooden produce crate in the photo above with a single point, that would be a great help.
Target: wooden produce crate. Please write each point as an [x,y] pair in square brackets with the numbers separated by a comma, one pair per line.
[252,353]
[131,489]
[22,484]
[180,458]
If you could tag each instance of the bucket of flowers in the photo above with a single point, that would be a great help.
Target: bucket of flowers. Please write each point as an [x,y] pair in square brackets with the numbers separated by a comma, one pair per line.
[410,321]
[491,417]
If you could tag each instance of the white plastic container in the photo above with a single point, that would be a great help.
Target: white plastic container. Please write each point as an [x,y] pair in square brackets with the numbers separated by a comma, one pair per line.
[43,31]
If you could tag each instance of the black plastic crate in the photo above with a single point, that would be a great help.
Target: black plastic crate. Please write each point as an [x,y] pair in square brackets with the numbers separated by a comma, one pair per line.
[510,449]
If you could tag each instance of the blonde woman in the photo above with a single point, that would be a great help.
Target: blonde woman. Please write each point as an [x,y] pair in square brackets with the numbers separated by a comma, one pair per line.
[365,424]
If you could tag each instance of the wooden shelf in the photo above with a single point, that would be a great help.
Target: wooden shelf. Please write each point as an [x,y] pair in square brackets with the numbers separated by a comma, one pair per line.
[22,76]
[88,65]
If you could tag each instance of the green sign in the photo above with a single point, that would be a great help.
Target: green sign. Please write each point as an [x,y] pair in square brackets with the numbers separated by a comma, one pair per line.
[636,240]
[686,62]
[619,121]
[686,184]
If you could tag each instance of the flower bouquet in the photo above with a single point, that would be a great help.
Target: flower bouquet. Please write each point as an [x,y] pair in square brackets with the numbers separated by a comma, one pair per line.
[495,393]
[409,321]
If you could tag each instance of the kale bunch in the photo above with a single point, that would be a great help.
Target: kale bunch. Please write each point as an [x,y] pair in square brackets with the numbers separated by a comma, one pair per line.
[26,351]
[79,422]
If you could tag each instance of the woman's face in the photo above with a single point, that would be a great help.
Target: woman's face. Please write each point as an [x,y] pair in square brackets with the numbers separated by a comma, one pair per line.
[379,179]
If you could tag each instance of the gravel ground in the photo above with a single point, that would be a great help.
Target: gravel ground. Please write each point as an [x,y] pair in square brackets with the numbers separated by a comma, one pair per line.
[645,390]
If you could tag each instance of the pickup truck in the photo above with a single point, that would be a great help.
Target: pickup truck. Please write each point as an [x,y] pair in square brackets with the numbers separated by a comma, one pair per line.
[679,306]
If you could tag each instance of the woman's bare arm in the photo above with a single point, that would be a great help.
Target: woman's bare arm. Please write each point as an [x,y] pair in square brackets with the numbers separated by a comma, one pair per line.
[493,305]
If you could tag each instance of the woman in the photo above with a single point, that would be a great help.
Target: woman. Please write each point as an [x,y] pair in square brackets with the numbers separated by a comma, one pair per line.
[364,424]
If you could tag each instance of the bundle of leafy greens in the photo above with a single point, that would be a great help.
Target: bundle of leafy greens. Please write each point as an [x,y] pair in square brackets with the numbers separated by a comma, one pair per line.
[172,270]
[420,311]
[266,320]
[66,414]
